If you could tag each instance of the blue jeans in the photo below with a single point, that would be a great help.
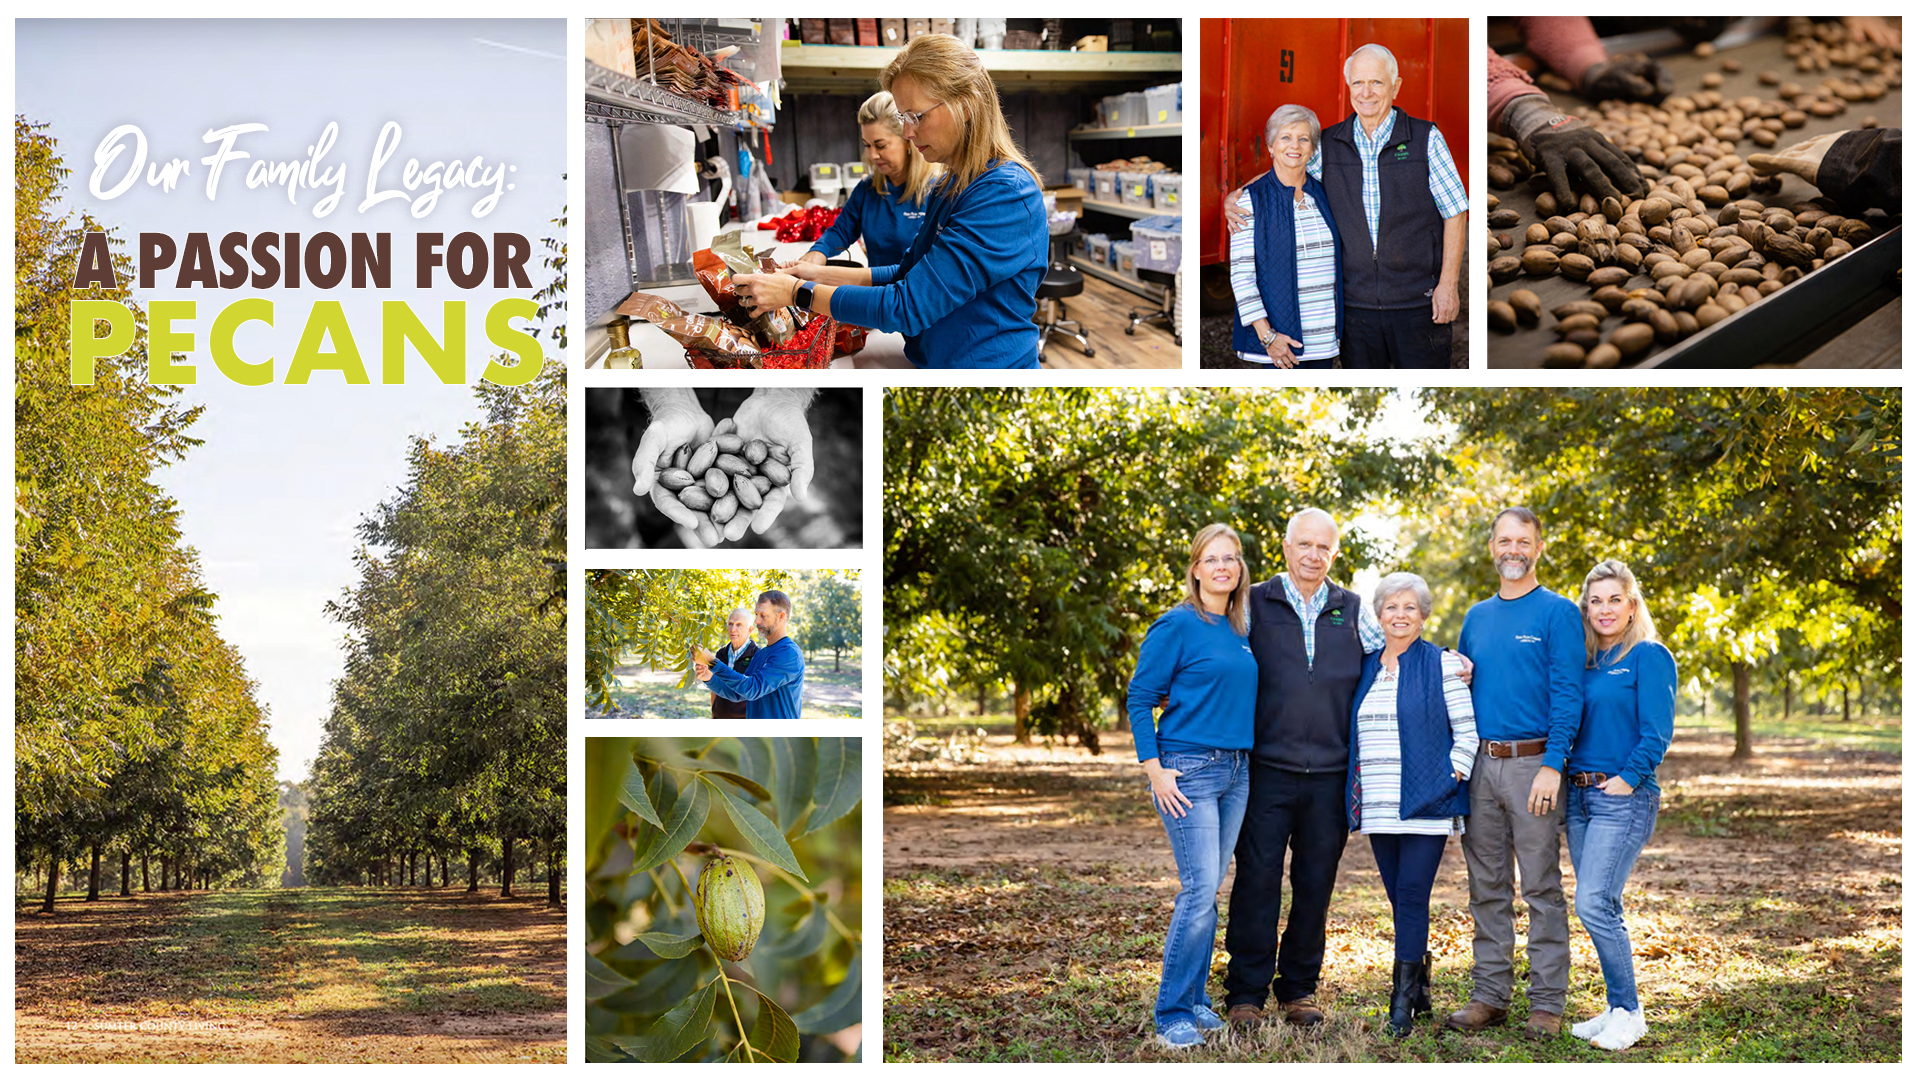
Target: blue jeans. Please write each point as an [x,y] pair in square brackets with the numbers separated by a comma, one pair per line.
[1408,864]
[1605,834]
[1216,781]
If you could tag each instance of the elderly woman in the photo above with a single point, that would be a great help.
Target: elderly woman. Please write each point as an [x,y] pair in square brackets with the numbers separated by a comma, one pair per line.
[1410,751]
[1626,723]
[884,210]
[1195,658]
[964,292]
[1285,269]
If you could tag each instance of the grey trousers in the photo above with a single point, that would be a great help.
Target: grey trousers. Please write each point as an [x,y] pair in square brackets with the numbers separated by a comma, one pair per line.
[1501,832]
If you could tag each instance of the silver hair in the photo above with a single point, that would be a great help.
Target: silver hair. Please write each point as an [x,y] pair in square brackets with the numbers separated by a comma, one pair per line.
[1288,115]
[1313,513]
[1397,583]
[740,613]
[1385,57]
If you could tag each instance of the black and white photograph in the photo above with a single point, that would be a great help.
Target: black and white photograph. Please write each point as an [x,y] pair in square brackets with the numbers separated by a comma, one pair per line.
[675,467]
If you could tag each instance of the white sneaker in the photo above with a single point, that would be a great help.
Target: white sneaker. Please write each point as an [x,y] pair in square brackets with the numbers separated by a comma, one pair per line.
[1587,1029]
[1622,1029]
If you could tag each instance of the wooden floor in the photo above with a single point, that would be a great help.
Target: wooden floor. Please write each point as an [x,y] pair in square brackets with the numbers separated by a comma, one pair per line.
[1102,311]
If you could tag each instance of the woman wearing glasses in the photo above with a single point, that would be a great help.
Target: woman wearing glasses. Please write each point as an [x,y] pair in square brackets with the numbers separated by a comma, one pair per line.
[886,209]
[963,294]
[1195,658]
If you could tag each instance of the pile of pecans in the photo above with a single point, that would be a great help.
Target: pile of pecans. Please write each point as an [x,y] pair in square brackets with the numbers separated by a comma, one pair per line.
[724,476]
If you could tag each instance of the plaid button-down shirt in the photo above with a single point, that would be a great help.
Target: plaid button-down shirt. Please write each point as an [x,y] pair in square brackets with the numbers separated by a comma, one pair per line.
[1372,638]
[1443,180]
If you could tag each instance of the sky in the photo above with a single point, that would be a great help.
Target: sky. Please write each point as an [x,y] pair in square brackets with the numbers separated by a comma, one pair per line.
[272,499]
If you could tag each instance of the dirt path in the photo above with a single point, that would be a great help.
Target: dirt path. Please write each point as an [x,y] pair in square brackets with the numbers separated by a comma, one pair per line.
[296,975]
[1027,901]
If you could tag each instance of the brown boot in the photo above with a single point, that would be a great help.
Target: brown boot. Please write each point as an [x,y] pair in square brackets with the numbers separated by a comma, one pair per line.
[1244,1015]
[1543,1025]
[1476,1016]
[1302,1012]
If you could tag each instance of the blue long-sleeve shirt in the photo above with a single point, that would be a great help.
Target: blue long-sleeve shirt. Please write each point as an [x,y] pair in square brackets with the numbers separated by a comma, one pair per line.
[771,687]
[964,293]
[1627,722]
[1528,654]
[887,223]
[1208,675]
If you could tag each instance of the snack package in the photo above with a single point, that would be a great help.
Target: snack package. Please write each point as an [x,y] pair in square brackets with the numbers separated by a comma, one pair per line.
[773,328]
[689,329]
[716,279]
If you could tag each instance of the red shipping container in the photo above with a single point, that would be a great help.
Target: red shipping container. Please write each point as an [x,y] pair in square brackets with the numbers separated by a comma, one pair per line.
[1250,67]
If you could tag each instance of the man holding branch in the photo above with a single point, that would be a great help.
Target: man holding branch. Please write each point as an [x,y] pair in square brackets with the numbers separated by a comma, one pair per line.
[775,676]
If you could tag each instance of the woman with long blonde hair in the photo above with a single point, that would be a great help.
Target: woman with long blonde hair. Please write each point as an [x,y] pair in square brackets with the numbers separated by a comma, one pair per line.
[964,292]
[1626,724]
[1195,658]
[885,209]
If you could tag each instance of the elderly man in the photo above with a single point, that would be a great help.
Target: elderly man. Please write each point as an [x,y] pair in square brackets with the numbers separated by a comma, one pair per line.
[1309,637]
[774,678]
[1401,210]
[737,654]
[1528,646]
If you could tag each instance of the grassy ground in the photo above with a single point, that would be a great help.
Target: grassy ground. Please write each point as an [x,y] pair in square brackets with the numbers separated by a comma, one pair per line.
[399,975]
[1027,898]
[829,694]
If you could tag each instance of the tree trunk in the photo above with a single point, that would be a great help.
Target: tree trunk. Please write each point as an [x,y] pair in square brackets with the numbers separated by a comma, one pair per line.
[146,885]
[473,871]
[1742,712]
[1786,697]
[506,863]
[553,872]
[1022,705]
[1846,703]
[93,873]
[53,880]
[836,661]
[981,701]
[126,872]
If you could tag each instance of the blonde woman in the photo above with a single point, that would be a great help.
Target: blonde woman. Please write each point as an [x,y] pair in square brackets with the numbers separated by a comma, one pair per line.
[885,210]
[1196,658]
[1626,724]
[963,294]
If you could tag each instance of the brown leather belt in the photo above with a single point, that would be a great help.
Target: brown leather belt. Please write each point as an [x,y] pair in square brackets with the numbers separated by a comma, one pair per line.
[1522,748]
[1587,779]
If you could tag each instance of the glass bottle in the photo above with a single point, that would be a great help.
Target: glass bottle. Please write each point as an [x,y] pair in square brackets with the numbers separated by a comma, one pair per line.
[624,356]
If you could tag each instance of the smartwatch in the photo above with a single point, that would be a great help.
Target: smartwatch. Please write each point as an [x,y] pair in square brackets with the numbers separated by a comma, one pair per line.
[803,296]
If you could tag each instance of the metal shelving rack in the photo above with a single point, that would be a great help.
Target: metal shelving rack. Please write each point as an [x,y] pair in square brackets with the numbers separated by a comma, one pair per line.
[614,98]
[1086,133]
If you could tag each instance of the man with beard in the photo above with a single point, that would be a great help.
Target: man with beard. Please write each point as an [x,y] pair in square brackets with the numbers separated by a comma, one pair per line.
[1528,647]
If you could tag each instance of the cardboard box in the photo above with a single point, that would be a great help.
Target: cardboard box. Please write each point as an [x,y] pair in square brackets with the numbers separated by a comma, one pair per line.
[916,28]
[794,198]
[867,31]
[610,44]
[813,31]
[1091,43]
[1068,198]
[940,26]
[893,32]
[840,31]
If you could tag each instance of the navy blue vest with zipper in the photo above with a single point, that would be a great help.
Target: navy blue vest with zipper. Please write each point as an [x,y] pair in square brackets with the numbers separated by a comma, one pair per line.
[1302,711]
[1405,269]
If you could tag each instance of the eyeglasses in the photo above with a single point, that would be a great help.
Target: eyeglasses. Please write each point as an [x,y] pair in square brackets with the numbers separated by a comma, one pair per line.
[914,118]
[1228,561]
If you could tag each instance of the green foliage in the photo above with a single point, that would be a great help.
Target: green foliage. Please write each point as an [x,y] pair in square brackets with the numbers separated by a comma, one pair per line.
[135,725]
[826,612]
[654,617]
[789,809]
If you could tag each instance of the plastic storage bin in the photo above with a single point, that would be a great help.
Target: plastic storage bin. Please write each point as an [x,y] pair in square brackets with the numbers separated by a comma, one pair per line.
[1112,111]
[1133,110]
[1087,241]
[1136,188]
[1105,186]
[1156,244]
[1123,254]
[1100,249]
[1081,178]
[1166,191]
[1163,104]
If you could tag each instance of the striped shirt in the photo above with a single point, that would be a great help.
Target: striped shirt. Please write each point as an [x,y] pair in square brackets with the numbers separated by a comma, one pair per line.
[1313,271]
[1443,180]
[1372,638]
[1379,751]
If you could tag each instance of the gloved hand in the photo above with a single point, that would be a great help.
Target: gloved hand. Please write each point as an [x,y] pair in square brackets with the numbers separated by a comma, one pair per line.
[1858,170]
[677,419]
[780,417]
[1559,144]
[1629,76]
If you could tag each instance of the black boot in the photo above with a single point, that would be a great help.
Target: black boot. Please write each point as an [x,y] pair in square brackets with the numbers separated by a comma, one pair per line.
[1406,982]
[1423,994]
